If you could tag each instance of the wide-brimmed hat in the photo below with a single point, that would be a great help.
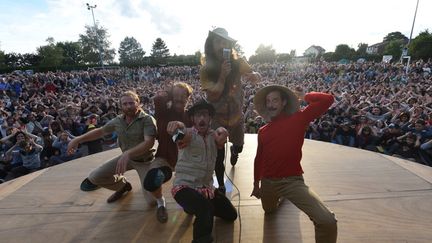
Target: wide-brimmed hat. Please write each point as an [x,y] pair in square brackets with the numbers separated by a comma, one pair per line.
[291,107]
[221,32]
[201,105]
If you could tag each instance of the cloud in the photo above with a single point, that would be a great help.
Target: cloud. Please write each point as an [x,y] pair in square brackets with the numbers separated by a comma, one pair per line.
[127,8]
[167,24]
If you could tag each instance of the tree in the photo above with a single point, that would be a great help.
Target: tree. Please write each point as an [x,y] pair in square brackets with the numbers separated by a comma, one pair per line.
[2,59]
[263,54]
[30,59]
[421,46]
[198,56]
[361,50]
[93,38]
[343,51]
[395,36]
[72,52]
[131,52]
[330,57]
[51,55]
[284,57]
[159,51]
[293,53]
[394,48]
[14,60]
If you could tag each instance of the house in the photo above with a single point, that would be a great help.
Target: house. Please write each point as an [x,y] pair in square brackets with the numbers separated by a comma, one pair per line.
[376,48]
[314,51]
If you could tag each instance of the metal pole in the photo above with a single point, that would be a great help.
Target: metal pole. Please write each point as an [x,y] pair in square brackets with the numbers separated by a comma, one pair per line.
[89,7]
[412,28]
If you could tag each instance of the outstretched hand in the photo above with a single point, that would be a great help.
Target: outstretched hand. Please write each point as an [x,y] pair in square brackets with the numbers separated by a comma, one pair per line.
[173,126]
[72,146]
[220,136]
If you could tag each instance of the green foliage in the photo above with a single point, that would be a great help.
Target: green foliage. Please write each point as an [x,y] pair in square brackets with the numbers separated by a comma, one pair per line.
[394,48]
[395,36]
[263,54]
[343,51]
[284,57]
[51,55]
[181,60]
[421,46]
[131,52]
[329,57]
[96,37]
[361,50]
[30,59]
[2,59]
[160,51]
[72,52]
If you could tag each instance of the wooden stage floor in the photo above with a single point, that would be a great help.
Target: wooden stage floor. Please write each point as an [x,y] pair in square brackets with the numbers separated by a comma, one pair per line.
[376,198]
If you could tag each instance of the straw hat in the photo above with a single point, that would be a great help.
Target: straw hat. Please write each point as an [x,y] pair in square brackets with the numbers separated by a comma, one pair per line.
[221,32]
[291,107]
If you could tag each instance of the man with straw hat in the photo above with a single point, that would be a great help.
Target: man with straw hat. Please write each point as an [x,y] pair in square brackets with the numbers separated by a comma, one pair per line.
[277,162]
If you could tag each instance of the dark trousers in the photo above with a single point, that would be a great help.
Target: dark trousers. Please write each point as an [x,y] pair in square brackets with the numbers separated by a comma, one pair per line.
[204,210]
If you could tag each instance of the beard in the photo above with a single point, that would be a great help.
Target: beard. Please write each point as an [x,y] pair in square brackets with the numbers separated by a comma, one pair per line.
[130,112]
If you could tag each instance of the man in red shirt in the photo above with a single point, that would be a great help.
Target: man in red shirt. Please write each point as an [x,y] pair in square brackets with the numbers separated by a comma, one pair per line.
[277,162]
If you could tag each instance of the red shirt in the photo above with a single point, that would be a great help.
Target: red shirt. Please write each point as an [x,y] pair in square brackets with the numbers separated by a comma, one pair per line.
[167,149]
[280,141]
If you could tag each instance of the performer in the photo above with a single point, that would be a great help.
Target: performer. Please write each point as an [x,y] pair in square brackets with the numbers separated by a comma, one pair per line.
[193,184]
[136,133]
[279,152]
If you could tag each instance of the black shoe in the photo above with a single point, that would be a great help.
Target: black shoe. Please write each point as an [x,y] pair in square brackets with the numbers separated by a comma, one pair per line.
[234,156]
[161,214]
[187,212]
[87,185]
[118,194]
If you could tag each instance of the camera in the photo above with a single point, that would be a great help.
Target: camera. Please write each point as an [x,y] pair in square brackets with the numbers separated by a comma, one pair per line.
[226,54]
[178,135]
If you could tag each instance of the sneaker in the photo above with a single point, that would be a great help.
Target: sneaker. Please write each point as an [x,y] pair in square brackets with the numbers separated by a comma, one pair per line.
[234,156]
[161,214]
[118,194]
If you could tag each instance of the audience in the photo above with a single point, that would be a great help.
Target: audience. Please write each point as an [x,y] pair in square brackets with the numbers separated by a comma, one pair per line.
[378,106]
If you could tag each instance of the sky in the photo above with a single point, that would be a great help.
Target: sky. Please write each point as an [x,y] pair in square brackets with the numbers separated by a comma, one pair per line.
[184,24]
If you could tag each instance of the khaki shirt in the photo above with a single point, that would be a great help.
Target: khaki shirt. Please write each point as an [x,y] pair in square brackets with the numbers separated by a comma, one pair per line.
[196,162]
[230,104]
[133,134]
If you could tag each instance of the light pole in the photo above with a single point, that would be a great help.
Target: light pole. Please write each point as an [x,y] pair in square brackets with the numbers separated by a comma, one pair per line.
[409,41]
[90,7]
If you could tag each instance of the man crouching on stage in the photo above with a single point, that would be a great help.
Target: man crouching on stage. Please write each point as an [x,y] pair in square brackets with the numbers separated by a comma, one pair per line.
[193,184]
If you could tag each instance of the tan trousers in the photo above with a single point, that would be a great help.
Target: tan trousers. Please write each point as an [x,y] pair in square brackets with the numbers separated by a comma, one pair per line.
[294,189]
[104,176]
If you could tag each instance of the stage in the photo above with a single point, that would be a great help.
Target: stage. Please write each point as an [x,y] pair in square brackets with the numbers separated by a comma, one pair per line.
[376,198]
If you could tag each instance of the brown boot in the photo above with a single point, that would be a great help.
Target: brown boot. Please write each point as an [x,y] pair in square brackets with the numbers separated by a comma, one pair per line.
[118,194]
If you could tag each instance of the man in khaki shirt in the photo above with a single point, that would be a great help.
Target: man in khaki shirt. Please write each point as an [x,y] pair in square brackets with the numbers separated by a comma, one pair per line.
[136,133]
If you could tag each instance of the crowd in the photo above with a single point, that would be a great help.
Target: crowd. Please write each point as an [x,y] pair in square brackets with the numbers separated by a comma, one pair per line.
[379,107]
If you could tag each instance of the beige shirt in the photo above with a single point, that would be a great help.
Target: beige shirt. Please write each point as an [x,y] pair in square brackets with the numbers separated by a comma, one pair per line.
[196,162]
[133,134]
